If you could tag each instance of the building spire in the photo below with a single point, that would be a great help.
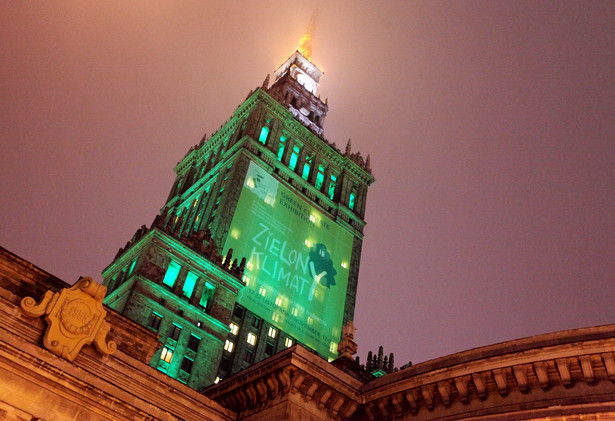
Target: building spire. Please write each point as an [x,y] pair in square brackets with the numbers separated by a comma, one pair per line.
[305,43]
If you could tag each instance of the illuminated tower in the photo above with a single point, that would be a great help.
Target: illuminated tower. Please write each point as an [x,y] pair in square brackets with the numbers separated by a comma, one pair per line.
[270,188]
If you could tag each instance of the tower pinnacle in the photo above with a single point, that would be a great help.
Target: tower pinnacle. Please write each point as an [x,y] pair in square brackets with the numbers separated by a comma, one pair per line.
[305,43]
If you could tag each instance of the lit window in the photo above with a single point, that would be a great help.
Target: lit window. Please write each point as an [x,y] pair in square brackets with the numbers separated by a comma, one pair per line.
[187,365]
[306,168]
[262,291]
[171,276]
[234,328]
[154,321]
[251,339]
[332,186]
[294,157]
[189,284]
[281,148]
[175,332]
[333,347]
[228,346]
[193,343]
[278,301]
[218,379]
[320,177]
[352,199]
[272,332]
[295,311]
[166,355]
[132,266]
[208,293]
[263,136]
[310,321]
[288,342]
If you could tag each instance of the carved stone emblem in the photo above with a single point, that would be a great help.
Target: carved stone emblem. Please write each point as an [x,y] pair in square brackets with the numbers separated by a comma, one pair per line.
[75,317]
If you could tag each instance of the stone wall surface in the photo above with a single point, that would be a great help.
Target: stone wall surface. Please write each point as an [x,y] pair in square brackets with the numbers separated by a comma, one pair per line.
[562,376]
[38,385]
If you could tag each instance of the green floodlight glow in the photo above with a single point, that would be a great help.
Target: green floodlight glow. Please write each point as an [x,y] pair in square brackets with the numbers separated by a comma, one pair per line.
[263,136]
[132,266]
[378,373]
[320,177]
[189,284]
[294,158]
[208,293]
[281,148]
[296,262]
[352,200]
[306,169]
[332,186]
[171,276]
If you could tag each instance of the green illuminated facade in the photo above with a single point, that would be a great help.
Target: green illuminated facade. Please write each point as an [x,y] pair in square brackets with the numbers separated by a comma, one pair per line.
[270,189]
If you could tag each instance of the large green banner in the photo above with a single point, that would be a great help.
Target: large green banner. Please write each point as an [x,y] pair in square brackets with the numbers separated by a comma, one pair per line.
[297,261]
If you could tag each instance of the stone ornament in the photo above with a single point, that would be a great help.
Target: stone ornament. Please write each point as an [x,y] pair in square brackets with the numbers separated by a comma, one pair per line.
[75,317]
[347,347]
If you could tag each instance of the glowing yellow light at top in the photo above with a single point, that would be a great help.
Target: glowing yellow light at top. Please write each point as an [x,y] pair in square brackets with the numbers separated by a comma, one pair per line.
[305,43]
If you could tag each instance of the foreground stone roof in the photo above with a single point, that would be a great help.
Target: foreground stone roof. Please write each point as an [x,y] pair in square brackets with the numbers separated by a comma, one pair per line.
[569,372]
[566,376]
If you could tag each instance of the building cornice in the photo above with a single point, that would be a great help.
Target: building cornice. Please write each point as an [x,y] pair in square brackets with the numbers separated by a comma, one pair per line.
[524,375]
[294,374]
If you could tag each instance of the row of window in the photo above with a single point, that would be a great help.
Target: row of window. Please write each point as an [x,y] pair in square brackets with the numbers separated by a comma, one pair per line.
[295,102]
[308,164]
[209,161]
[175,332]
[229,345]
[234,330]
[194,216]
[168,351]
[122,276]
[167,356]
[254,324]
[170,278]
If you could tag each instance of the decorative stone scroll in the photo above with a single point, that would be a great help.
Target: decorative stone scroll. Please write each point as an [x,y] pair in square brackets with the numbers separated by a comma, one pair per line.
[75,317]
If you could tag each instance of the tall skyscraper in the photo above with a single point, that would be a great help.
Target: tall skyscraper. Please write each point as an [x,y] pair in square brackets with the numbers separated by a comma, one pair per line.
[284,206]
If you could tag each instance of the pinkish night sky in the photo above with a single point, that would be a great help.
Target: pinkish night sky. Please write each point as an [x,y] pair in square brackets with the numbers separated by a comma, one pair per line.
[490,125]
